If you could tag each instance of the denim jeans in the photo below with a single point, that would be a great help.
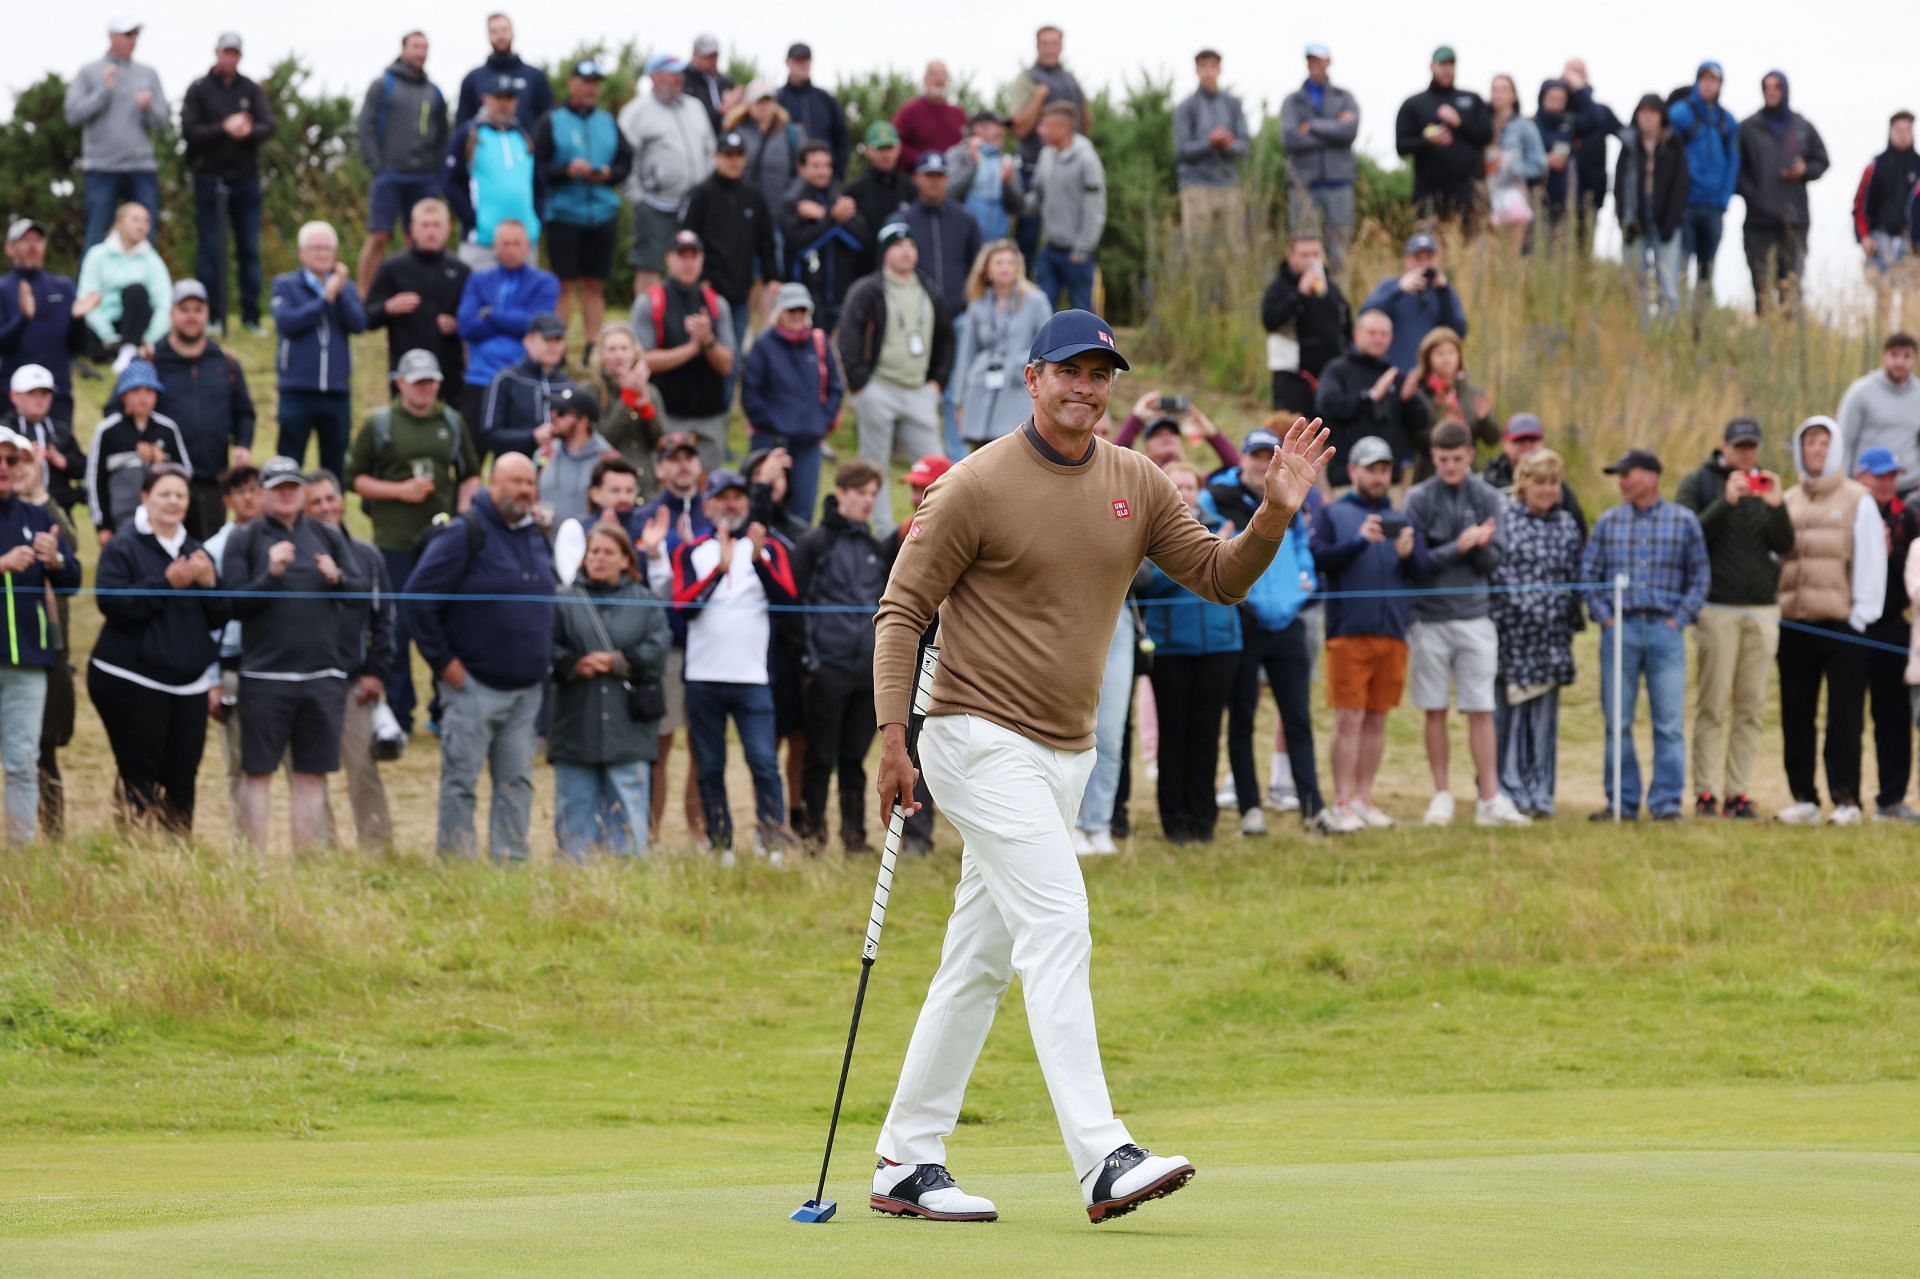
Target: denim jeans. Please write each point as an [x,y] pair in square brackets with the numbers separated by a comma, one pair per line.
[709,703]
[601,806]
[400,697]
[1700,240]
[1057,270]
[742,315]
[1667,262]
[1658,652]
[23,702]
[1110,729]
[243,220]
[104,191]
[803,481]
[327,414]
[491,727]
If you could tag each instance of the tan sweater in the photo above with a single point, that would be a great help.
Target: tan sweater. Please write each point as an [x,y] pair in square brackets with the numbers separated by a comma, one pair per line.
[1028,562]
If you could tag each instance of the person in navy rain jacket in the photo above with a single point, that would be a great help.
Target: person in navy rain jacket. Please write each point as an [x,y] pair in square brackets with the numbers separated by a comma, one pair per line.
[317,310]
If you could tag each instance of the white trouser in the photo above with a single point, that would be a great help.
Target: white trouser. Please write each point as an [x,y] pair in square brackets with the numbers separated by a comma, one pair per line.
[1021,907]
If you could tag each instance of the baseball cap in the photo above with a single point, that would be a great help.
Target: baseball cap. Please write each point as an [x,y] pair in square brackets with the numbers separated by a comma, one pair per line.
[589,69]
[722,480]
[1444,54]
[280,470]
[12,439]
[1069,333]
[881,133]
[1160,424]
[731,144]
[671,62]
[20,226]
[1317,50]
[184,290]
[1260,439]
[1369,450]
[894,231]
[1635,460]
[927,470]
[685,241]
[1421,242]
[794,296]
[32,377]
[1742,430]
[503,86]
[1525,426]
[759,89]
[137,375]
[987,117]
[1879,462]
[931,162]
[229,40]
[574,398]
[676,442]
[122,25]
[419,366]
[547,325]
[799,52]
[706,43]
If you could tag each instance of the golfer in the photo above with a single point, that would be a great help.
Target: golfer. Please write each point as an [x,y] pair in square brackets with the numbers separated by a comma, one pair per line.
[1026,548]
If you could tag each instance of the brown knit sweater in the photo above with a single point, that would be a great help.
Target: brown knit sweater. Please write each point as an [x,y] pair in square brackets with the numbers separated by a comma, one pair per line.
[1028,559]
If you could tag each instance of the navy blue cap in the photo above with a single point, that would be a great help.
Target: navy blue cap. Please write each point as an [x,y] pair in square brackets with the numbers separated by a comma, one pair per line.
[1421,242]
[589,69]
[504,85]
[1259,438]
[1071,332]
[931,162]
[722,480]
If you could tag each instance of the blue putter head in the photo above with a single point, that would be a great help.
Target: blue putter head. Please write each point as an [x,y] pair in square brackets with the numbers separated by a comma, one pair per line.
[814,1212]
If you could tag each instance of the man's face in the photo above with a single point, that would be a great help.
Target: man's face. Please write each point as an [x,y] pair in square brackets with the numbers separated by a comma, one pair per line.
[500,34]
[1709,87]
[1373,334]
[573,427]
[1046,48]
[139,401]
[1452,465]
[414,51]
[990,132]
[1055,129]
[856,504]
[245,502]
[799,70]
[121,45]
[1317,68]
[547,352]
[1162,447]
[319,254]
[1443,74]
[667,85]
[935,81]
[582,92]
[1304,254]
[728,509]
[1373,480]
[285,502]
[885,159]
[817,169]
[226,61]
[1208,71]
[324,504]
[1647,120]
[616,491]
[1554,99]
[418,397]
[678,471]
[33,406]
[1424,260]
[796,319]
[500,107]
[24,471]
[9,458]
[1253,469]
[1773,91]
[190,319]
[1073,393]
[1743,456]
[29,252]
[510,246]
[1898,363]
[429,228]
[1814,446]
[1517,449]
[513,488]
[1638,485]
[730,164]
[1883,487]
[902,256]
[684,265]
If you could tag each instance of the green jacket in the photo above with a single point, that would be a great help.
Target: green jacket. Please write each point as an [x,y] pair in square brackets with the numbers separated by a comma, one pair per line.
[589,722]
[1744,541]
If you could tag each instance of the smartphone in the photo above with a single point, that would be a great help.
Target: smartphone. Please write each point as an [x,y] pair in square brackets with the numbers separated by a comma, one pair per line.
[1392,523]
[1174,404]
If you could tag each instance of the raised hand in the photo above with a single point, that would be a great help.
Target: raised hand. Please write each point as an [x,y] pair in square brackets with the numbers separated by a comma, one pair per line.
[1303,454]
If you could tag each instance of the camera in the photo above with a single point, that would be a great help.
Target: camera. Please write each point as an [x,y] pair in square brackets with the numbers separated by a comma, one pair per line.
[1430,275]
[1174,404]
[1757,482]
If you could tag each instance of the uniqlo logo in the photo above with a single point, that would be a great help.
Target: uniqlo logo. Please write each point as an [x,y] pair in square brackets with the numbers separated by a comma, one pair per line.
[1121,511]
[913,531]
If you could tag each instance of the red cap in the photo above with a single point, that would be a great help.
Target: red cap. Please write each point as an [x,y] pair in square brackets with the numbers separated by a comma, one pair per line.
[927,470]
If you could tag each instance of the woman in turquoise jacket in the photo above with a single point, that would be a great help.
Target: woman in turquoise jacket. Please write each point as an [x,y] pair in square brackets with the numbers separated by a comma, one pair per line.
[136,295]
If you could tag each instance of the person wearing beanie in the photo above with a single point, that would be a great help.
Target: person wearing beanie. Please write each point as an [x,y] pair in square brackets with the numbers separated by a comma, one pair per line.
[1780,152]
[1651,186]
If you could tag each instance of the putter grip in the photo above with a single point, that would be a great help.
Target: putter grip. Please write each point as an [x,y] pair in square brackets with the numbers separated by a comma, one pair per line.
[897,819]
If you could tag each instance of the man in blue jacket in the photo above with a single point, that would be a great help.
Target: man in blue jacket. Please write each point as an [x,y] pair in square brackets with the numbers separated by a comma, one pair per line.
[317,310]
[40,318]
[490,655]
[1364,548]
[791,392]
[817,112]
[529,82]
[1418,300]
[36,555]
[1712,138]
[497,308]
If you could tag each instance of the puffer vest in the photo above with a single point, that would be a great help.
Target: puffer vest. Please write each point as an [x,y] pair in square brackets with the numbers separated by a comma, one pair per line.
[1816,577]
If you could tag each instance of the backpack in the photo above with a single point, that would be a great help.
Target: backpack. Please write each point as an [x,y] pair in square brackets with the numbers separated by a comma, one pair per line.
[820,360]
[657,304]
[1680,95]
[476,532]
[386,101]
[381,423]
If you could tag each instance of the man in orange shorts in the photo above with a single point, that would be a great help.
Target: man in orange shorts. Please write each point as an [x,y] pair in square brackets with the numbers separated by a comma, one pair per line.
[1368,557]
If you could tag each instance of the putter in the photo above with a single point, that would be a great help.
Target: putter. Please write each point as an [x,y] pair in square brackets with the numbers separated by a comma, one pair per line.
[820,1209]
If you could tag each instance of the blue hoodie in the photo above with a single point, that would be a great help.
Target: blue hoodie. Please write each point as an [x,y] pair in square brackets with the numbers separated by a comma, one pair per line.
[502,643]
[1712,139]
[1348,562]
[1287,586]
[1181,623]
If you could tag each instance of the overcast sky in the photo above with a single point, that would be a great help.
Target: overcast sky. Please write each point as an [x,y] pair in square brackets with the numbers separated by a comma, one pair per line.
[1845,80]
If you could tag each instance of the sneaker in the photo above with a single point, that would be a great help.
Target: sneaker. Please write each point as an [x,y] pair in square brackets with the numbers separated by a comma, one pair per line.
[1440,810]
[1845,815]
[1227,797]
[255,329]
[1254,822]
[1100,843]
[1282,799]
[1804,813]
[1336,821]
[1371,816]
[1130,1177]
[1895,813]
[1081,844]
[1498,811]
[128,352]
[1741,809]
[728,859]
[925,1190]
[1706,805]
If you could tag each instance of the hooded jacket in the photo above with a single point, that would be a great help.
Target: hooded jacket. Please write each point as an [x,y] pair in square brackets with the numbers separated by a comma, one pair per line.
[493,176]
[1671,182]
[402,123]
[1770,141]
[840,563]
[504,643]
[1349,563]
[536,91]
[1451,172]
[1745,541]
[1442,512]
[115,471]
[1593,123]
[735,226]
[1837,569]
[1286,588]
[672,149]
[791,385]
[1710,136]
[1323,155]
[206,396]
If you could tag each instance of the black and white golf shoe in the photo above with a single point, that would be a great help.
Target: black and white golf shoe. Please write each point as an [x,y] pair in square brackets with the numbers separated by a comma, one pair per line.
[1130,1177]
[925,1190]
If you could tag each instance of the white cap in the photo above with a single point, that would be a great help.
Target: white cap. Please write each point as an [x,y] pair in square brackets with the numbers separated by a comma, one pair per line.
[123,24]
[12,438]
[32,377]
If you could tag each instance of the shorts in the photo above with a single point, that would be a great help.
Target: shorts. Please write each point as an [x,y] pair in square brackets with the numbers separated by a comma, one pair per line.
[673,682]
[653,232]
[282,716]
[1365,672]
[1465,653]
[581,252]
[393,196]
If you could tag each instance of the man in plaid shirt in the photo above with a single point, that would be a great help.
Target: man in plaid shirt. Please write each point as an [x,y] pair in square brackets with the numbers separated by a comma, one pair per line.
[1659,547]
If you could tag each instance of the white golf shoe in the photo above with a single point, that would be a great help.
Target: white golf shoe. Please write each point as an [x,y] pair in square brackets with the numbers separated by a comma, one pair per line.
[1440,810]
[1804,813]
[1499,811]
[925,1190]
[1130,1177]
